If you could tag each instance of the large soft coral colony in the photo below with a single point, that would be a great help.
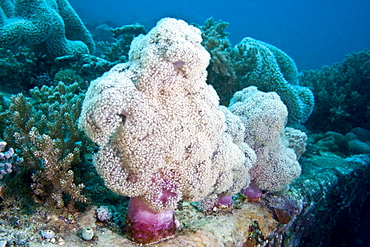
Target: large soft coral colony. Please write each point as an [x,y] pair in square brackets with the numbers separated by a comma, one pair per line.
[162,136]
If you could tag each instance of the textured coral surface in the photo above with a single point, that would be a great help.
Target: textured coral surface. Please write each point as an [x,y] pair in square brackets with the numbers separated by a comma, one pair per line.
[160,131]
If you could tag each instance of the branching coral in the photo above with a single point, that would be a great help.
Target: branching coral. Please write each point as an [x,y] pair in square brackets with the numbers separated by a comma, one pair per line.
[341,92]
[117,51]
[56,171]
[52,25]
[221,72]
[44,129]
[162,137]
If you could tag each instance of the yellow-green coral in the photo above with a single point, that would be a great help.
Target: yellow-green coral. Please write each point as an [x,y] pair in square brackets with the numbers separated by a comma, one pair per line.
[44,129]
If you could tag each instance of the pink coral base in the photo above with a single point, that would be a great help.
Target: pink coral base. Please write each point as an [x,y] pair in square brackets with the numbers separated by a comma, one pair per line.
[145,226]
[253,192]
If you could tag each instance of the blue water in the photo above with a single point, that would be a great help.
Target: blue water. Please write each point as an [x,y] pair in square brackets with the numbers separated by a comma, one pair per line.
[313,32]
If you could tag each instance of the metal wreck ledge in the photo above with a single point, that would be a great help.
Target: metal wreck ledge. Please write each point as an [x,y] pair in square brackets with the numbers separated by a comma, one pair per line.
[331,189]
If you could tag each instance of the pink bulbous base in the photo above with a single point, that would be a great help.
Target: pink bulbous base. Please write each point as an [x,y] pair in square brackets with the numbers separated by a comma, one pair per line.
[226,201]
[252,192]
[146,226]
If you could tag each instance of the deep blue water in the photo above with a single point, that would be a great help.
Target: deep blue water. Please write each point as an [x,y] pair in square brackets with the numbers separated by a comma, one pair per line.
[313,32]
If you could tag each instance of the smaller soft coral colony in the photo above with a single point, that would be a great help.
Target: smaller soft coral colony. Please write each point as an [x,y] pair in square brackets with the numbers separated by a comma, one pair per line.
[163,138]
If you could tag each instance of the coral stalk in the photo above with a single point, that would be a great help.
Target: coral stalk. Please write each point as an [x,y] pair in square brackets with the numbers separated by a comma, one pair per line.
[253,192]
[146,226]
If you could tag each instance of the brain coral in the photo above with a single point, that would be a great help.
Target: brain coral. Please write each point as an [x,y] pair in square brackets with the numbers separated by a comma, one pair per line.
[161,134]
[47,24]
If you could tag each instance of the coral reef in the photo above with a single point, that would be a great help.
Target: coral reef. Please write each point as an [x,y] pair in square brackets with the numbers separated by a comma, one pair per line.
[85,68]
[33,34]
[332,142]
[341,94]
[327,184]
[68,76]
[355,142]
[358,141]
[165,141]
[161,135]
[129,30]
[50,25]
[20,68]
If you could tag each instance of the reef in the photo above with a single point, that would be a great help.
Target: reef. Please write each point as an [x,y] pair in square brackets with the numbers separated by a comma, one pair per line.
[172,137]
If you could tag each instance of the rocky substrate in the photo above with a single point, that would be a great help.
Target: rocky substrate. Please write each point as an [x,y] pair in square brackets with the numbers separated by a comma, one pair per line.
[328,195]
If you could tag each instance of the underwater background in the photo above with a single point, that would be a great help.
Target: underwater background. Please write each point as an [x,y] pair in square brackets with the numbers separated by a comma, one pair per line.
[313,54]
[314,33]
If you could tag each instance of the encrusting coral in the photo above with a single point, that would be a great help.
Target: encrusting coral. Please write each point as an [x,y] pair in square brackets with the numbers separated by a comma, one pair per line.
[162,137]
[52,25]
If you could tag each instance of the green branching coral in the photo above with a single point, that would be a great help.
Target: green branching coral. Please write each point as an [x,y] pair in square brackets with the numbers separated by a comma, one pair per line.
[56,176]
[44,129]
[341,93]
[220,70]
[44,24]
[19,67]
[117,51]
